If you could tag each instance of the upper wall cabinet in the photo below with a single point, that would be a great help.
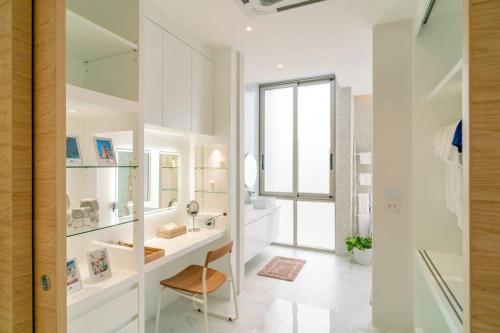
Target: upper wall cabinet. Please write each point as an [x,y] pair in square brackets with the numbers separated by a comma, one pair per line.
[153,73]
[178,82]
[202,120]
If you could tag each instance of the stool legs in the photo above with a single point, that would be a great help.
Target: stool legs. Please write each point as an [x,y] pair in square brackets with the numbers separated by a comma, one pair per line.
[158,310]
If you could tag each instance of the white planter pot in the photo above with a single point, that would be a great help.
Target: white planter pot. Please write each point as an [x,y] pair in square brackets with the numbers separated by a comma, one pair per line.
[363,257]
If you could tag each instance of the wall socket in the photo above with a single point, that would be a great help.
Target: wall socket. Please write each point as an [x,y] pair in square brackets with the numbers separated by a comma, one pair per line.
[393,206]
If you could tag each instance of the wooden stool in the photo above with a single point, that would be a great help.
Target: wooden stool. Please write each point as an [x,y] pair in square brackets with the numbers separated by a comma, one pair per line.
[200,280]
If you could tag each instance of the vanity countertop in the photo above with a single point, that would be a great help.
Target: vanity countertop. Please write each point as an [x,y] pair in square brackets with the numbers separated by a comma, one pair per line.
[181,245]
[253,214]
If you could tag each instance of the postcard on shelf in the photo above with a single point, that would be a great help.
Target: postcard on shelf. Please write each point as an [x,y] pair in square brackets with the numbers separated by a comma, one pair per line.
[99,267]
[73,151]
[73,279]
[105,151]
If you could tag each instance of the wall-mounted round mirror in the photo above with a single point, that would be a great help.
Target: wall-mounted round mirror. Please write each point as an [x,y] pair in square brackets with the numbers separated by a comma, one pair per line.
[250,171]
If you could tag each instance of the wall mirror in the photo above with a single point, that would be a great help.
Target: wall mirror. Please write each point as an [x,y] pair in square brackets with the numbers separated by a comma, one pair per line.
[124,200]
[250,171]
[169,180]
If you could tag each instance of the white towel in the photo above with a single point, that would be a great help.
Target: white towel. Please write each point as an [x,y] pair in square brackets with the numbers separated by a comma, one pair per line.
[365,179]
[364,225]
[365,158]
[363,203]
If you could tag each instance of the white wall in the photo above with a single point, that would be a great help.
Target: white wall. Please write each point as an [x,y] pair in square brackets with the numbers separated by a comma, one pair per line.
[343,167]
[392,163]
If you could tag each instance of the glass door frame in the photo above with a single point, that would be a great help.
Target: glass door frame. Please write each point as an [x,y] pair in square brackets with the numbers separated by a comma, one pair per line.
[295,195]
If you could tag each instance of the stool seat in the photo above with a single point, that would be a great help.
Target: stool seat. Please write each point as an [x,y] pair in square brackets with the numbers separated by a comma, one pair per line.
[190,280]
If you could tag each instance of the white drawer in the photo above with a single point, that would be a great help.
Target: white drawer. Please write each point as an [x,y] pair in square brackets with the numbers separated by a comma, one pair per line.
[108,317]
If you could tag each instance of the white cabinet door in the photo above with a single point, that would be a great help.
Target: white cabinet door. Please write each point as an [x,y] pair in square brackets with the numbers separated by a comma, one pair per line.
[177,84]
[153,73]
[203,94]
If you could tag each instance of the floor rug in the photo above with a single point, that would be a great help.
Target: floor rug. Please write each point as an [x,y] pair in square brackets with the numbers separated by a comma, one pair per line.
[283,268]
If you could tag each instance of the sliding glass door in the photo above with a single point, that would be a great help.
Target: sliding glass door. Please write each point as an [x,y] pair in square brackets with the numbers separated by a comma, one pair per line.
[296,161]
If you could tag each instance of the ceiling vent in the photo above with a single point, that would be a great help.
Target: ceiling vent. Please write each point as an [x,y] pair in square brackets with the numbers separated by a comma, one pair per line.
[266,7]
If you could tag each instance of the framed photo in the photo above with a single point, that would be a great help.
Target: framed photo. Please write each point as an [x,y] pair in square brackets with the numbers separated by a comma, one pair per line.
[105,151]
[73,152]
[98,263]
[73,279]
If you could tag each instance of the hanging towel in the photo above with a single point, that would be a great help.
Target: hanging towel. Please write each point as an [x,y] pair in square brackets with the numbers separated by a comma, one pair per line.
[365,179]
[364,225]
[365,158]
[363,203]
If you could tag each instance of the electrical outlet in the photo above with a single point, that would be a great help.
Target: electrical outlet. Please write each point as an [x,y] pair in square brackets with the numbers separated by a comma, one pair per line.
[393,206]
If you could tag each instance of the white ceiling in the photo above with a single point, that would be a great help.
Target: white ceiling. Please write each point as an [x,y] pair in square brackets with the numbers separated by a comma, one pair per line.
[334,36]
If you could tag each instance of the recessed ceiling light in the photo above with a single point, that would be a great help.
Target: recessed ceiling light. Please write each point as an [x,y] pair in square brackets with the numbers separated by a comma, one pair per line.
[280,66]
[72,110]
[249,28]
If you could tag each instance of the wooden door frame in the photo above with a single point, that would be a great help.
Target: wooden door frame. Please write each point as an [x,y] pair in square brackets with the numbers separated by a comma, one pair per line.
[15,167]
[483,75]
[49,163]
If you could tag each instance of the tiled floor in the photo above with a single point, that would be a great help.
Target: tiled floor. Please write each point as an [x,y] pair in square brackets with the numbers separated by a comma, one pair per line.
[331,294]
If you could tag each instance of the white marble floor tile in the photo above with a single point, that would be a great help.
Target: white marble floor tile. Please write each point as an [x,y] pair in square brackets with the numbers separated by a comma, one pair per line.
[330,295]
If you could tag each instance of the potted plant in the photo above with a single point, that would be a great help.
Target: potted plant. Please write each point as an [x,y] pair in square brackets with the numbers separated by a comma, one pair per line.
[361,247]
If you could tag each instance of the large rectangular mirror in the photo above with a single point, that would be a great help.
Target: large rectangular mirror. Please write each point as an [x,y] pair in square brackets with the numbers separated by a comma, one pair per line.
[161,183]
[169,180]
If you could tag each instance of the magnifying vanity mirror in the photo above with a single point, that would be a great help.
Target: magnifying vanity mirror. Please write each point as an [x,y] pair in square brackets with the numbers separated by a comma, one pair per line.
[193,209]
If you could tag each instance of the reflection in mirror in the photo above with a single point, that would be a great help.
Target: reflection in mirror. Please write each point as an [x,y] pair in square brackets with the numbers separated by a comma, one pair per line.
[124,199]
[250,171]
[169,180]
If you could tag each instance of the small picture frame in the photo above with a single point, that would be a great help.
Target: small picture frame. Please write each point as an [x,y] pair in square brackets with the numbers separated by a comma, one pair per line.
[73,278]
[104,151]
[73,151]
[98,264]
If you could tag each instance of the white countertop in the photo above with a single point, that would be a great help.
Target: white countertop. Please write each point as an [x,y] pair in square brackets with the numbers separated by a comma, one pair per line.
[181,245]
[252,214]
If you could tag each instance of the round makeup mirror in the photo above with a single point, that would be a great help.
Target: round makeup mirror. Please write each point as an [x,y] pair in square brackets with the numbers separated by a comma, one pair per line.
[193,209]
[250,171]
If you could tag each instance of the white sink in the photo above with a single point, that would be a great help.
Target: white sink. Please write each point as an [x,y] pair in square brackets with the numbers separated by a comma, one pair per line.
[263,202]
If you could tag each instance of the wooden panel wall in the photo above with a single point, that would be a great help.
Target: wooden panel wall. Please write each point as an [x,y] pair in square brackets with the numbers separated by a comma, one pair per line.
[484,115]
[15,167]
[49,124]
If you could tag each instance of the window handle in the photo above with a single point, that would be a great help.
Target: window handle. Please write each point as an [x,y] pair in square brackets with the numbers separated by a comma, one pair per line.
[262,161]
[331,161]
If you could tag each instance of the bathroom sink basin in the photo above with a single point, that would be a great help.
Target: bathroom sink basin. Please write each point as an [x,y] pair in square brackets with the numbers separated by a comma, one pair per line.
[263,202]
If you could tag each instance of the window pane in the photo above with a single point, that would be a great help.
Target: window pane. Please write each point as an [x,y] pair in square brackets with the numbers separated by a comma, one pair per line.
[279,140]
[285,235]
[316,224]
[314,138]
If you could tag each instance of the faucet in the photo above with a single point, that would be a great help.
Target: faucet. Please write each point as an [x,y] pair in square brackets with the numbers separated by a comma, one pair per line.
[212,220]
[248,197]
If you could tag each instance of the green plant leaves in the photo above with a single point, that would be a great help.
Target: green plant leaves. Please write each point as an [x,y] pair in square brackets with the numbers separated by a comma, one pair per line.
[360,243]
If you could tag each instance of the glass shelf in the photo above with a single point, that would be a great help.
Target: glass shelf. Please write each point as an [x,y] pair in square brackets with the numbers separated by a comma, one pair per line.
[208,192]
[170,189]
[167,167]
[104,223]
[209,168]
[100,166]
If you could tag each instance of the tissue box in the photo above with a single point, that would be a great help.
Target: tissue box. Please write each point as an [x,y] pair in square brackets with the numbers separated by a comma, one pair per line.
[169,231]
